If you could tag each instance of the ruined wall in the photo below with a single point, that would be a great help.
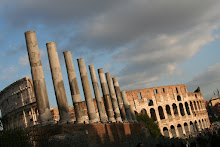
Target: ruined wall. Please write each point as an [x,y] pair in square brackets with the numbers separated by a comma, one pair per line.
[177,112]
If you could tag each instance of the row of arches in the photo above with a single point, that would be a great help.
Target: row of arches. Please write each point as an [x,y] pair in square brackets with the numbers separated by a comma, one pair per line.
[197,105]
[188,129]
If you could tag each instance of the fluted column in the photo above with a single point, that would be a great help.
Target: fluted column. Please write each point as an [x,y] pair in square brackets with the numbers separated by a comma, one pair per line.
[119,98]
[74,88]
[127,109]
[99,101]
[107,99]
[113,96]
[58,83]
[38,78]
[87,91]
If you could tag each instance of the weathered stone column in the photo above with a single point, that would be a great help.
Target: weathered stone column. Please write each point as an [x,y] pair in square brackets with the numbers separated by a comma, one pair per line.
[127,109]
[38,78]
[133,113]
[58,83]
[107,99]
[74,88]
[119,98]
[99,101]
[87,91]
[113,96]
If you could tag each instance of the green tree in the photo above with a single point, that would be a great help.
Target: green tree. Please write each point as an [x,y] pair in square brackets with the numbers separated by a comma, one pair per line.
[150,124]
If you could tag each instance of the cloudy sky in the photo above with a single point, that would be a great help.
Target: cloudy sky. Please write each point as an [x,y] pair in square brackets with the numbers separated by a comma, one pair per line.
[145,43]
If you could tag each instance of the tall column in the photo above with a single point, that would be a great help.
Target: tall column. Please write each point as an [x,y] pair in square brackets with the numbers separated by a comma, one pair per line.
[38,78]
[74,88]
[87,91]
[132,113]
[127,109]
[119,98]
[107,99]
[58,83]
[99,101]
[113,96]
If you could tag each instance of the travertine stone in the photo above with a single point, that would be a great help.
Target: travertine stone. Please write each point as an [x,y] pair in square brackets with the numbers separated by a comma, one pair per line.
[132,113]
[38,78]
[107,99]
[100,104]
[119,98]
[58,83]
[113,97]
[127,109]
[87,91]
[74,88]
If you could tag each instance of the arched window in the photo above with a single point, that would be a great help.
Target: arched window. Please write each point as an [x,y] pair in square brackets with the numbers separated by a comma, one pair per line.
[186,128]
[191,105]
[187,108]
[166,132]
[135,112]
[198,106]
[143,111]
[178,98]
[150,103]
[160,109]
[192,128]
[180,130]
[153,114]
[181,109]
[175,110]
[195,105]
[168,110]
[173,131]
[196,126]
[200,124]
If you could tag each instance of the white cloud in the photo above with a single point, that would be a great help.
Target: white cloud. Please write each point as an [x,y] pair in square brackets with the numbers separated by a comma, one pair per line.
[24,61]
[8,73]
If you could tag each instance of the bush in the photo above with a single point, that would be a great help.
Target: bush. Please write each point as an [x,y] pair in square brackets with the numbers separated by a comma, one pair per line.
[150,124]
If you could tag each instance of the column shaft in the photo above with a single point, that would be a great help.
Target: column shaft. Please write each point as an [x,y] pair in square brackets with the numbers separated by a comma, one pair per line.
[127,109]
[38,77]
[119,98]
[58,83]
[87,91]
[99,101]
[113,96]
[132,113]
[74,88]
[107,99]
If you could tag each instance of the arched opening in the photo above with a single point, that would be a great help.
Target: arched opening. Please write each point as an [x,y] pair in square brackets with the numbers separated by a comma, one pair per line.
[150,103]
[195,105]
[191,105]
[206,126]
[198,106]
[166,132]
[187,108]
[200,124]
[173,131]
[168,110]
[192,128]
[180,130]
[178,98]
[160,109]
[203,123]
[143,111]
[196,126]
[186,128]
[181,109]
[153,114]
[135,112]
[175,110]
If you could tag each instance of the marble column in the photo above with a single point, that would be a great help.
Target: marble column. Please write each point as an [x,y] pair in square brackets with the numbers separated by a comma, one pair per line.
[119,98]
[113,97]
[38,78]
[127,109]
[107,99]
[99,101]
[58,83]
[87,91]
[74,88]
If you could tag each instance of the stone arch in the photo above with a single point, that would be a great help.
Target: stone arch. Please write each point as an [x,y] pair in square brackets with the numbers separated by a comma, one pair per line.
[168,110]
[191,105]
[196,126]
[150,103]
[179,98]
[153,114]
[143,111]
[180,130]
[198,105]
[173,131]
[195,105]
[186,128]
[187,108]
[135,112]
[175,110]
[161,113]
[192,128]
[182,112]
[166,132]
[200,124]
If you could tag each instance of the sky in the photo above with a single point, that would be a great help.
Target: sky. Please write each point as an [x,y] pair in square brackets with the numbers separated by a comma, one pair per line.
[145,43]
